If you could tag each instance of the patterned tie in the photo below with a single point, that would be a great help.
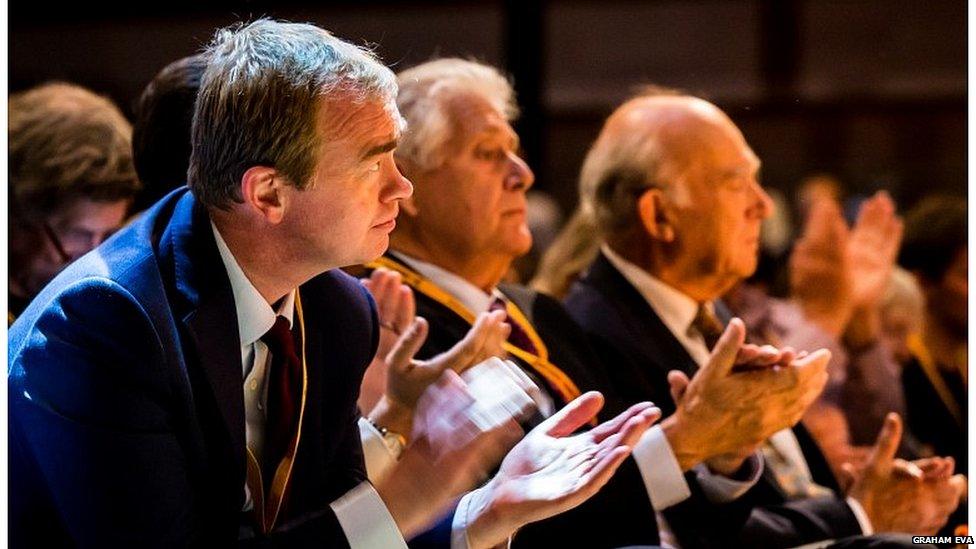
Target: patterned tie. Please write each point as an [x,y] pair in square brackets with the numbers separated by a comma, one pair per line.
[707,324]
[518,336]
[284,396]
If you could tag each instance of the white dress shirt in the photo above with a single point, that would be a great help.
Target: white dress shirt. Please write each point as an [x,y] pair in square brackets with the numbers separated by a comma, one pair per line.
[362,515]
[677,311]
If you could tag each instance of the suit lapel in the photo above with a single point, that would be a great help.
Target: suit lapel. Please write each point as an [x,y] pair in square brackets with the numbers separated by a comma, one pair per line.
[205,303]
[647,331]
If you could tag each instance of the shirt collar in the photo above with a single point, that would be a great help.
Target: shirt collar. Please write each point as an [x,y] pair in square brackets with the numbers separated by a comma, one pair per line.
[254,315]
[472,297]
[676,309]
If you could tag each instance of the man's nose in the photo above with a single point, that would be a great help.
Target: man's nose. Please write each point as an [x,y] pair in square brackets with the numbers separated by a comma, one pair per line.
[520,177]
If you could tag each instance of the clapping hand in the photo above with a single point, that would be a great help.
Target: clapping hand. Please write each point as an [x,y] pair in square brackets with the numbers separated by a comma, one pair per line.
[551,470]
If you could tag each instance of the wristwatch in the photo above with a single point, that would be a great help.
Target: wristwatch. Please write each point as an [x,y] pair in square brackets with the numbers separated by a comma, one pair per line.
[394,442]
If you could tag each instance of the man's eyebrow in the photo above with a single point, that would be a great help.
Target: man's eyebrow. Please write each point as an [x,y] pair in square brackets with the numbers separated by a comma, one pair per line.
[380,149]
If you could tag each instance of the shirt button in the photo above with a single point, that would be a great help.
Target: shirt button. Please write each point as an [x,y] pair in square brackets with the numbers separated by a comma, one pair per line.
[254,385]
[260,406]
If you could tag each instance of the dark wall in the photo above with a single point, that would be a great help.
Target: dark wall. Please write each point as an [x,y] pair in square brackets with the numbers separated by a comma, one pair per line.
[871,90]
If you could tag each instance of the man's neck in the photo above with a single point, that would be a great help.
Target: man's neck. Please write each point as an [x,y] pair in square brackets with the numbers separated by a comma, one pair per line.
[484,272]
[265,263]
[700,287]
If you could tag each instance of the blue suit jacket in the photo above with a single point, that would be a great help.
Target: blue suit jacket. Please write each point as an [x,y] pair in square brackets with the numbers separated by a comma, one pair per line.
[126,397]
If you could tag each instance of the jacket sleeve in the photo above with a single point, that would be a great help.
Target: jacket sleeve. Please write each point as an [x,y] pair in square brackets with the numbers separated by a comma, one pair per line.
[88,405]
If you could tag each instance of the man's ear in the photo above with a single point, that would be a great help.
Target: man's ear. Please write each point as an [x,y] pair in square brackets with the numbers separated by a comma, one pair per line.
[263,191]
[652,208]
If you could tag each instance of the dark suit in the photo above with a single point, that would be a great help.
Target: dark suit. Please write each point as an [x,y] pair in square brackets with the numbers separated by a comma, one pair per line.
[629,335]
[621,514]
[126,397]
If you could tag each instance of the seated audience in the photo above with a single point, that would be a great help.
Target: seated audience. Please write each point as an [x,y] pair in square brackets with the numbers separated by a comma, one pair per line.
[193,381]
[673,188]
[456,238]
[71,182]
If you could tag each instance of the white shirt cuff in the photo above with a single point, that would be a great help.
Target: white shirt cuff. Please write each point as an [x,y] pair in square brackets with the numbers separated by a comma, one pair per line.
[722,489]
[658,466]
[862,517]
[366,521]
[379,457]
[459,525]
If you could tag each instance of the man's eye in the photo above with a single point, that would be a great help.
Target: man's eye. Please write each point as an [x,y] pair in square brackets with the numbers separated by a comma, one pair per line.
[490,154]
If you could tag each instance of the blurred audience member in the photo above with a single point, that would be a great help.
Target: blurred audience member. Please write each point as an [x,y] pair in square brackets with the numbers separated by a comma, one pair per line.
[935,379]
[71,182]
[902,313]
[161,131]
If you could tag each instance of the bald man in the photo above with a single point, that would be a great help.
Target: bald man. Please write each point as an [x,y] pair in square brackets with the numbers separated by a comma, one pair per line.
[672,187]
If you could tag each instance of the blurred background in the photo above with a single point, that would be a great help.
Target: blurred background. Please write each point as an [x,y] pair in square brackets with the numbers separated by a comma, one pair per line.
[872,92]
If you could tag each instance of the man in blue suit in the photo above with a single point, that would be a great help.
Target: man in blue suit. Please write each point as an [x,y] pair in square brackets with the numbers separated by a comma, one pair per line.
[193,381]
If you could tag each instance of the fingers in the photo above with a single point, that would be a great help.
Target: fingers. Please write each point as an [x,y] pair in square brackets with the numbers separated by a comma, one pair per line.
[678,382]
[481,342]
[825,227]
[723,356]
[848,475]
[636,426]
[907,469]
[754,357]
[599,475]
[961,485]
[407,346]
[614,425]
[886,445]
[406,309]
[573,416]
[935,468]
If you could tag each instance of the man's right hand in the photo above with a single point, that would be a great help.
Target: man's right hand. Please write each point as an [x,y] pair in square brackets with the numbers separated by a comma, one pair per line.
[457,440]
[725,412]
[551,470]
[898,496]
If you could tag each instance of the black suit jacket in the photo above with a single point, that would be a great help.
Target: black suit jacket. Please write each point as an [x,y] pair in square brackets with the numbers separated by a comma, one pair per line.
[640,350]
[126,398]
[621,514]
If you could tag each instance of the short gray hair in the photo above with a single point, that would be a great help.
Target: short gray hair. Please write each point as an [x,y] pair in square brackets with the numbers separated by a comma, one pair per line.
[424,90]
[621,165]
[259,100]
[617,170]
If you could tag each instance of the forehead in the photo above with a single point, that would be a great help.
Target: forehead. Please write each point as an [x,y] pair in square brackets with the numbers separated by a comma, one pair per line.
[473,117]
[718,149]
[345,120]
[90,214]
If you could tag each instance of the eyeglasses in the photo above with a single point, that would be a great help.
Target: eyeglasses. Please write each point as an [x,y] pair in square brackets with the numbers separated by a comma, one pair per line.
[55,241]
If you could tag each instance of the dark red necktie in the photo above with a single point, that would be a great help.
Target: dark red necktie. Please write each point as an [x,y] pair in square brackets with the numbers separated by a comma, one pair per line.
[518,337]
[284,397]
